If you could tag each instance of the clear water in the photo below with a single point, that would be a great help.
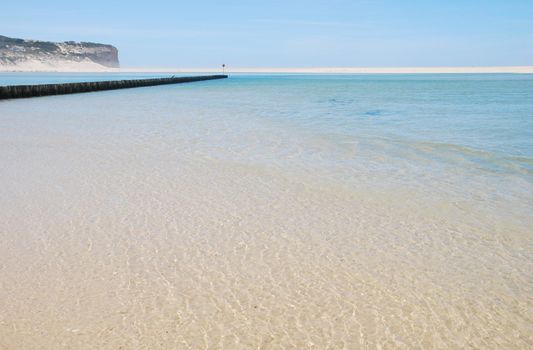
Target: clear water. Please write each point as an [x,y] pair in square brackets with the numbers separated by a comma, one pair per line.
[290,211]
[19,78]
[486,118]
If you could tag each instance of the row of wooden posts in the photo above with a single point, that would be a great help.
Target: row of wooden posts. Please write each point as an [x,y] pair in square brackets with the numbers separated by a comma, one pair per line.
[24,91]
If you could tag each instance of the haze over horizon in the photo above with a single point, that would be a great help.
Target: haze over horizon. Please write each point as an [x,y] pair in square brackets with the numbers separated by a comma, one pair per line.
[334,33]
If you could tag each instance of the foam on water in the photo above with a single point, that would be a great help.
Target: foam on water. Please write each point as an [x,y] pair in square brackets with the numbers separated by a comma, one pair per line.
[270,212]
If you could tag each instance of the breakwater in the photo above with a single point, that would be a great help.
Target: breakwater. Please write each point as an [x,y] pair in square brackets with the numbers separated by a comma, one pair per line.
[25,91]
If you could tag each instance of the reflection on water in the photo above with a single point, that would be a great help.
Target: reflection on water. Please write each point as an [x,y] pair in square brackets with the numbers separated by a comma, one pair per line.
[259,213]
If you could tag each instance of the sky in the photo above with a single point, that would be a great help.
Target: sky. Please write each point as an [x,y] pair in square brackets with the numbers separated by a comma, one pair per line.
[289,33]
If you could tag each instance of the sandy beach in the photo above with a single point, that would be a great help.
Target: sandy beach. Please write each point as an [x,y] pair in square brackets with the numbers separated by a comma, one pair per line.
[266,175]
[200,216]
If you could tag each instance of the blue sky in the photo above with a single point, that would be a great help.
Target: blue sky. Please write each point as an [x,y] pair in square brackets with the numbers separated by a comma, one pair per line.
[273,33]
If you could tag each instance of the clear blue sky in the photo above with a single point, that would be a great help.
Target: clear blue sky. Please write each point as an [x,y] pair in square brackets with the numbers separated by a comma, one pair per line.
[274,33]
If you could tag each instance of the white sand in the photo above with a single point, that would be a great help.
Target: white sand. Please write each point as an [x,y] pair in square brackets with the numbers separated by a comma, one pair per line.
[58,66]
[55,66]
[345,70]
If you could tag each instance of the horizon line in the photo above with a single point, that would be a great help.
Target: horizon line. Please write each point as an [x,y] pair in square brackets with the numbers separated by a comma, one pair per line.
[307,70]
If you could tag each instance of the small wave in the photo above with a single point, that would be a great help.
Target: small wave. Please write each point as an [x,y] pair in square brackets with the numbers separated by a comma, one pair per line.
[373,113]
[337,101]
[486,160]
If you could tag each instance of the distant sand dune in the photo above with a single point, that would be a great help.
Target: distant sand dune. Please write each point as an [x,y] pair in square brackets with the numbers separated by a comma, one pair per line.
[356,70]
[55,66]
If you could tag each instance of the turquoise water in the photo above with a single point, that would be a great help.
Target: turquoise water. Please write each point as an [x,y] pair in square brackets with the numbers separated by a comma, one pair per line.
[457,130]
[55,78]
[468,113]
[484,117]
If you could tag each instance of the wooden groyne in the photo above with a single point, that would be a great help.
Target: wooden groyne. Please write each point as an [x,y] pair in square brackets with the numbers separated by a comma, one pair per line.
[24,91]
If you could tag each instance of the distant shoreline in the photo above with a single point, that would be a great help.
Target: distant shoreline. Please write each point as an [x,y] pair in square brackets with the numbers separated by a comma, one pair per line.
[316,70]
[351,70]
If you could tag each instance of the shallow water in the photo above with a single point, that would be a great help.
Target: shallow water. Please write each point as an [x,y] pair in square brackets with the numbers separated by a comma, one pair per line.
[274,212]
[29,78]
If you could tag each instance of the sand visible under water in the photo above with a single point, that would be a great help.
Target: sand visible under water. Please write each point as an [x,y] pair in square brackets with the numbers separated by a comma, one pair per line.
[136,235]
